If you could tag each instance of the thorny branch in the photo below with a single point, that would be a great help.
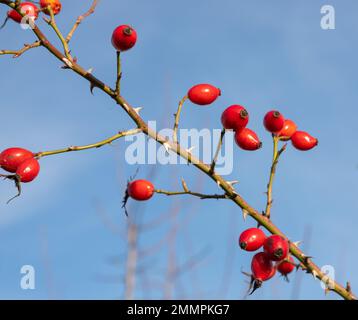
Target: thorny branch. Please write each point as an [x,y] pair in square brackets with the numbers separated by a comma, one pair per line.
[305,260]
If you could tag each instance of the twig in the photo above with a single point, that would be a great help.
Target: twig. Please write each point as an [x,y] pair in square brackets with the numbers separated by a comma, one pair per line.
[53,24]
[219,180]
[215,159]
[80,19]
[196,194]
[18,53]
[119,73]
[177,118]
[275,158]
[89,146]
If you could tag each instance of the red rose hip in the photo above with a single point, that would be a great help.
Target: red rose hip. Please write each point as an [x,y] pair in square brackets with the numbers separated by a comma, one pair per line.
[140,190]
[303,141]
[276,247]
[289,128]
[28,170]
[235,117]
[286,267]
[252,239]
[203,94]
[27,8]
[274,121]
[55,5]
[262,267]
[124,38]
[11,158]
[247,139]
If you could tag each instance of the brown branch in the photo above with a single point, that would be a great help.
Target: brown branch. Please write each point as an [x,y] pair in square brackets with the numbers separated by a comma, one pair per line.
[18,53]
[219,180]
[195,194]
[80,19]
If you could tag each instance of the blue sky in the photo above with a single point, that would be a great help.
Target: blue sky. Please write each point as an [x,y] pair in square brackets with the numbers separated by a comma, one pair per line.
[263,55]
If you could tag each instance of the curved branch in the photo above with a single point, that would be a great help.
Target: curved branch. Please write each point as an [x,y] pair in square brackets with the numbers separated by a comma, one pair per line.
[89,146]
[306,261]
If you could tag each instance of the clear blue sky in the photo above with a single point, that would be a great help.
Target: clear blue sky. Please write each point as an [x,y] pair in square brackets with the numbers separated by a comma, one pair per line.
[262,54]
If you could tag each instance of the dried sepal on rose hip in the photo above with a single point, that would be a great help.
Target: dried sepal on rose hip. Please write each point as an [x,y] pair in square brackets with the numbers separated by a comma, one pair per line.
[252,239]
[276,247]
[235,117]
[247,139]
[203,94]
[55,5]
[28,9]
[274,121]
[124,37]
[262,269]
[289,128]
[303,141]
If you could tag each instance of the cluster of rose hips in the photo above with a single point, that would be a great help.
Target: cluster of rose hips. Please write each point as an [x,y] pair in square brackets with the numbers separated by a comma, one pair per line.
[22,163]
[275,255]
[31,11]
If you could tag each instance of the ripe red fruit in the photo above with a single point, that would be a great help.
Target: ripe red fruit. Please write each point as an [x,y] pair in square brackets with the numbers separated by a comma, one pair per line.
[274,121]
[289,128]
[203,94]
[140,190]
[124,38]
[252,239]
[235,117]
[54,4]
[11,158]
[286,267]
[28,170]
[247,139]
[262,267]
[301,140]
[276,247]
[27,8]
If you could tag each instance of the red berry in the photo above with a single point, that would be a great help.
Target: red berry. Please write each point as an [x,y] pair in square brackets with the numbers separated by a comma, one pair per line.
[252,239]
[262,267]
[27,8]
[301,140]
[140,190]
[124,38]
[54,4]
[11,158]
[274,121]
[289,128]
[286,267]
[203,94]
[247,139]
[28,170]
[235,117]
[276,247]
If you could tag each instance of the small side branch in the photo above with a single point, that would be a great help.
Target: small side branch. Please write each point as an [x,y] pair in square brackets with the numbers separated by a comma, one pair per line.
[276,155]
[215,159]
[18,53]
[177,118]
[195,194]
[119,74]
[52,22]
[89,146]
[80,19]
